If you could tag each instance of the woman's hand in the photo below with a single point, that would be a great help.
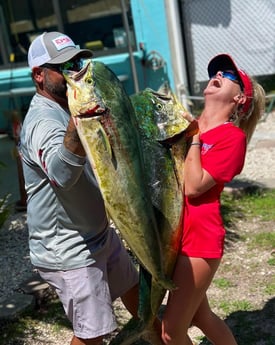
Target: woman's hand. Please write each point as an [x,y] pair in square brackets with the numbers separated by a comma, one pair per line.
[192,129]
[189,117]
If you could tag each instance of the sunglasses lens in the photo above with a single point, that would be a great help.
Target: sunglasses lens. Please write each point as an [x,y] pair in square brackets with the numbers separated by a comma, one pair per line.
[230,76]
[75,65]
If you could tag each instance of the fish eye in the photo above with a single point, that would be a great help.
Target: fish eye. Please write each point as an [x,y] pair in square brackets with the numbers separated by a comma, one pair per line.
[159,106]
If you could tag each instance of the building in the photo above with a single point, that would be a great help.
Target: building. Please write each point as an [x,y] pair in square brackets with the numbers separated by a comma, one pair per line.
[145,42]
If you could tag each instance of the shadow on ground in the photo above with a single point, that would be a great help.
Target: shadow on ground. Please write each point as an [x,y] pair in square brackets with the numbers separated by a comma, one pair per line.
[252,327]
[232,213]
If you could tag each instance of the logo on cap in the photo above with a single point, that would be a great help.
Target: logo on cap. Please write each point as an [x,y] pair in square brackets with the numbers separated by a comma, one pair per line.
[62,42]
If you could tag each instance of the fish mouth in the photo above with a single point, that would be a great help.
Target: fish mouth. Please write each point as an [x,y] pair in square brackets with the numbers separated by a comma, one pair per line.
[163,96]
[78,75]
[95,112]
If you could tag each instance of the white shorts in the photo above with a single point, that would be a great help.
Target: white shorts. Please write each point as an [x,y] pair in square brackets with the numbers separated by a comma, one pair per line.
[87,293]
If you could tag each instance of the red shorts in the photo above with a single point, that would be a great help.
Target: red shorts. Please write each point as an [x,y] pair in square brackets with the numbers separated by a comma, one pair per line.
[203,232]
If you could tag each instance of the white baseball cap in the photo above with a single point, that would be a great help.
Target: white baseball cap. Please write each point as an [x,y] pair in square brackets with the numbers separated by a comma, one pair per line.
[54,48]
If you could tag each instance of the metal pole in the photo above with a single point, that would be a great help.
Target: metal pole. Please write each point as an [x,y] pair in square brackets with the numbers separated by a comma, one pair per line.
[176,47]
[128,36]
[5,48]
[59,17]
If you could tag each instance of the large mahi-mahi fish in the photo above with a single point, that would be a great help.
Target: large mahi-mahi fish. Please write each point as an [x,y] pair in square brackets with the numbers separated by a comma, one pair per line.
[162,129]
[105,121]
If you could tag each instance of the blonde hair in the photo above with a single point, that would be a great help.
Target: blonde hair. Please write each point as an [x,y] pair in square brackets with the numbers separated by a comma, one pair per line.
[247,122]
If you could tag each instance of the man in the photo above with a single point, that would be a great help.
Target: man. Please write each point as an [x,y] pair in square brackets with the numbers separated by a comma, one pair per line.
[71,242]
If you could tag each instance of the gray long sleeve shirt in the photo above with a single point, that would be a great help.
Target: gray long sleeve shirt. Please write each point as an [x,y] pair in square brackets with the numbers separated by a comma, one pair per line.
[66,216]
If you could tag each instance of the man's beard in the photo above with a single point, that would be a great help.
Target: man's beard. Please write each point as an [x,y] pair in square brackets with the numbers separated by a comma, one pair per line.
[58,89]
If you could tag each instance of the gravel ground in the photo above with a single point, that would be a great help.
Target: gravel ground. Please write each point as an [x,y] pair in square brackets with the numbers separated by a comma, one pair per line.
[15,266]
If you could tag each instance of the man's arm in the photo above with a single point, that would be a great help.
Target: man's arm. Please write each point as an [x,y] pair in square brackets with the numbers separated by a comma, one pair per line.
[72,141]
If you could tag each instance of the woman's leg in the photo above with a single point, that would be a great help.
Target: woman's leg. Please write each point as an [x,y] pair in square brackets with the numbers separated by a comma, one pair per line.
[212,326]
[130,300]
[192,276]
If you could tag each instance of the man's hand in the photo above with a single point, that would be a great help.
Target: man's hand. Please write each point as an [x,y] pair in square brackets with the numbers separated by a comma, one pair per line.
[72,141]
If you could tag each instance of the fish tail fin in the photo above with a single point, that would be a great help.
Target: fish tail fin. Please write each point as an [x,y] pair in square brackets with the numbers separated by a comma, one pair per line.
[167,283]
[151,295]
[157,295]
[136,332]
[145,312]
[141,331]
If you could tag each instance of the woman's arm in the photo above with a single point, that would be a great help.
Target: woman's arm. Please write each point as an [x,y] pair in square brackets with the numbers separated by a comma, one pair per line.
[196,179]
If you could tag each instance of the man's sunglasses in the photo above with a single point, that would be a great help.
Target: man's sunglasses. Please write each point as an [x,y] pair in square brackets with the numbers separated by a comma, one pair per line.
[74,65]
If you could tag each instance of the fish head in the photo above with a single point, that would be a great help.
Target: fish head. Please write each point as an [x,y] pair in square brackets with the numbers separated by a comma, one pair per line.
[169,113]
[163,109]
[83,97]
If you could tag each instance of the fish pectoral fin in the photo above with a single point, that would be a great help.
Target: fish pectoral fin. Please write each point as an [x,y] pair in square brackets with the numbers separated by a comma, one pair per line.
[136,330]
[105,140]
[108,146]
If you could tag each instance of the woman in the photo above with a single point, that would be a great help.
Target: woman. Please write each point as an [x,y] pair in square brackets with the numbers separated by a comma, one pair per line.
[233,106]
